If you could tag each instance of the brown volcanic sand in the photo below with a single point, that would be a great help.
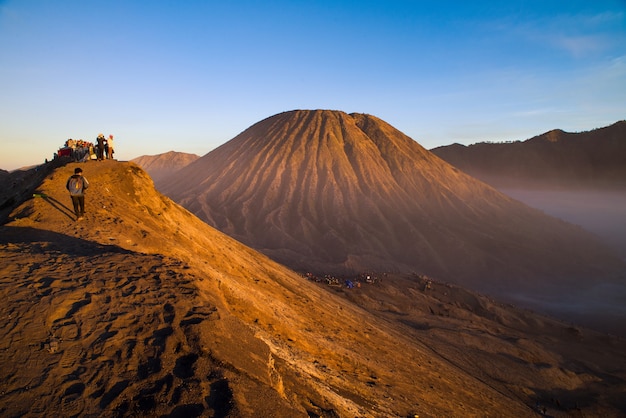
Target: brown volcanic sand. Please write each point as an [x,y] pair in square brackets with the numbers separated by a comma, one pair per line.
[143,310]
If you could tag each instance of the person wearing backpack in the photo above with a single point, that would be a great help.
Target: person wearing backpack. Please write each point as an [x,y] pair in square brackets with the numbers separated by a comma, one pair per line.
[76,185]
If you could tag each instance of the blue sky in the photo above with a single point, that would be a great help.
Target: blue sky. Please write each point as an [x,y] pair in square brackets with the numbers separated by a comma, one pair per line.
[190,75]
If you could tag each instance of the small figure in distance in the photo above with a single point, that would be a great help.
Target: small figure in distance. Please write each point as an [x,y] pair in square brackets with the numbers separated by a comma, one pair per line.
[100,147]
[76,185]
[111,148]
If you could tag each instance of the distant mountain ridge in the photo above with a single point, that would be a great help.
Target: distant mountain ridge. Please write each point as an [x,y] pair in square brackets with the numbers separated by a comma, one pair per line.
[161,166]
[327,191]
[594,158]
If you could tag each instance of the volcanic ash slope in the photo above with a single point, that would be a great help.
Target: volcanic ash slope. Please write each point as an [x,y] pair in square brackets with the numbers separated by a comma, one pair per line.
[142,309]
[331,192]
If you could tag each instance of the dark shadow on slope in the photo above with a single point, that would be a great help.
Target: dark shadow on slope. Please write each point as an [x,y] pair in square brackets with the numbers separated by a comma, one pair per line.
[19,185]
[220,399]
[48,240]
[65,210]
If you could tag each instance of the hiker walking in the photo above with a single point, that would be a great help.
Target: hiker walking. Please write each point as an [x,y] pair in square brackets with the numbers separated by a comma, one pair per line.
[76,185]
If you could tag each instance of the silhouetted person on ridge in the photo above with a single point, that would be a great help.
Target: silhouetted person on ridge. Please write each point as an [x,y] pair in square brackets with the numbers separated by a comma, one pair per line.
[100,140]
[76,185]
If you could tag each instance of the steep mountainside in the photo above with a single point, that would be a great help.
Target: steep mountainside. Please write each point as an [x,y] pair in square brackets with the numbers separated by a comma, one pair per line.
[161,166]
[595,158]
[329,192]
[141,309]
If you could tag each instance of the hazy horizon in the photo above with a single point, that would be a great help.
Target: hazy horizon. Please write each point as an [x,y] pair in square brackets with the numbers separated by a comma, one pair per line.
[192,75]
[602,212]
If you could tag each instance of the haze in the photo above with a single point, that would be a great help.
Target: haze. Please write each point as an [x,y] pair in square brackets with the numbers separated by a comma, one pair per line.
[602,212]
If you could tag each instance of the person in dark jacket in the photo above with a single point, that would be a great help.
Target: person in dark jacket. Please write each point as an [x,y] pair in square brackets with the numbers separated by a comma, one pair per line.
[100,140]
[76,185]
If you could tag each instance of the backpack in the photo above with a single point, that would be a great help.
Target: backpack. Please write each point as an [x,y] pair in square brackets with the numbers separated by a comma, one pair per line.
[75,185]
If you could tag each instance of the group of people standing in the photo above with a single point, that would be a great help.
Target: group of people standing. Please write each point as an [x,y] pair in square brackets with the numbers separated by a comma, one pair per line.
[78,149]
[105,147]
[82,151]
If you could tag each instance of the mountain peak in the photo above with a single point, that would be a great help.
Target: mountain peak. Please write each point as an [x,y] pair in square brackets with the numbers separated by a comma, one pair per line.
[331,192]
[163,165]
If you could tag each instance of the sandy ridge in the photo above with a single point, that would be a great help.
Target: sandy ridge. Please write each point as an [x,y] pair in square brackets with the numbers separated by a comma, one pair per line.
[142,309]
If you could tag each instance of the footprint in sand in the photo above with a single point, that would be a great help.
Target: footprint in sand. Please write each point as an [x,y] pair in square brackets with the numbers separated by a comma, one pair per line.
[40,406]
[185,366]
[68,307]
[67,331]
[159,338]
[168,313]
[43,286]
[113,393]
[149,367]
[72,356]
[72,402]
[199,314]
